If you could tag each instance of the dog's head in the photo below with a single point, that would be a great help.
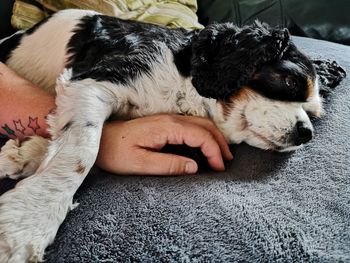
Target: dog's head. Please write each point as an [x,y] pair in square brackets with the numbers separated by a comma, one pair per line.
[265,87]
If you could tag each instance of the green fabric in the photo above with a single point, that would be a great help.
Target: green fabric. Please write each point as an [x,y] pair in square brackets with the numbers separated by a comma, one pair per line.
[322,19]
[25,15]
[171,13]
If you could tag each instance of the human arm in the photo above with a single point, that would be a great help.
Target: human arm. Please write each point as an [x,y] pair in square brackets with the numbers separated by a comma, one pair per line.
[139,140]
[23,106]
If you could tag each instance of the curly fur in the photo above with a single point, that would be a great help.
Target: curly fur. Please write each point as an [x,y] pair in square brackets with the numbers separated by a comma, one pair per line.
[225,57]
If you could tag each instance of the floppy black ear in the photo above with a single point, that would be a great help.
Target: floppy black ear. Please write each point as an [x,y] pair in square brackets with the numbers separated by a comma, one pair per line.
[330,74]
[204,50]
[225,57]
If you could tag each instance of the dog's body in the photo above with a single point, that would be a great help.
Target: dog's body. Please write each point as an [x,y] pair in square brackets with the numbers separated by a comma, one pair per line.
[252,82]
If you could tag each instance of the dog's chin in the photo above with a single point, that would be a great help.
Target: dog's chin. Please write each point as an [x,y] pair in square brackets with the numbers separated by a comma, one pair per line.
[290,148]
[271,145]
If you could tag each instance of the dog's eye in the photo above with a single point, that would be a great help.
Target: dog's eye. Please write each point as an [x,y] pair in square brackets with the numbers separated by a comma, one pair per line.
[290,81]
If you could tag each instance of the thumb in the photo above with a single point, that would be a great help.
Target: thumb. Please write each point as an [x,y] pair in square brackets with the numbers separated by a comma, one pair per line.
[157,163]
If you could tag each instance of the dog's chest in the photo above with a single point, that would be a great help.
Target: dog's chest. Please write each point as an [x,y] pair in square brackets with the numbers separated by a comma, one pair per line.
[162,90]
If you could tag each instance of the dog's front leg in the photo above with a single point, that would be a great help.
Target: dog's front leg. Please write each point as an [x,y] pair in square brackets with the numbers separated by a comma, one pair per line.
[31,214]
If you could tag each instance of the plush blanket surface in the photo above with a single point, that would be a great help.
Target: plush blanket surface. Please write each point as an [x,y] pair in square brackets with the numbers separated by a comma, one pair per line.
[266,207]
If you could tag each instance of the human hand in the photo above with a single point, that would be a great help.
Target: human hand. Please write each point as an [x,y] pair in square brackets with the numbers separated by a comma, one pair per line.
[132,147]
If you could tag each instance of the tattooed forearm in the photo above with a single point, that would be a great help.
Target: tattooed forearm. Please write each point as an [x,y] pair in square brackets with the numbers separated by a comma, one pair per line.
[23,106]
[19,128]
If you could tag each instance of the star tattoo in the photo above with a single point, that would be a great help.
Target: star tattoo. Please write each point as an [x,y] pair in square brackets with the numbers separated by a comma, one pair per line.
[19,127]
[33,124]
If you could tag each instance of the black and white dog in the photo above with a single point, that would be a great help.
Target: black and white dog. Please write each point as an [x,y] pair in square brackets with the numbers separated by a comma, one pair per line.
[252,82]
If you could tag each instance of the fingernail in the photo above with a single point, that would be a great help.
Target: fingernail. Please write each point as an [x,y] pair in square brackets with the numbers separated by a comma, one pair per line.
[190,168]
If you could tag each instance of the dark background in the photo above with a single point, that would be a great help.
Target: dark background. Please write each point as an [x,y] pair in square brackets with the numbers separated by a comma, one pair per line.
[320,19]
[5,12]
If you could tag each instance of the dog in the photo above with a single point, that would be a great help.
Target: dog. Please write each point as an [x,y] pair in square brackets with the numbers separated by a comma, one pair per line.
[252,81]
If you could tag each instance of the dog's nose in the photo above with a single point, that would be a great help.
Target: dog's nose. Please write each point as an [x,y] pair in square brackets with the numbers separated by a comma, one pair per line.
[303,133]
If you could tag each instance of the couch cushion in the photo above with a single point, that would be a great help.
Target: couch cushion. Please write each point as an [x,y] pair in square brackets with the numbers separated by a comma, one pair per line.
[321,19]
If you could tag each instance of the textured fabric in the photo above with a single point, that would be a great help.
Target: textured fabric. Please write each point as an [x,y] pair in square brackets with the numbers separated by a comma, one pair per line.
[267,207]
[171,13]
[26,15]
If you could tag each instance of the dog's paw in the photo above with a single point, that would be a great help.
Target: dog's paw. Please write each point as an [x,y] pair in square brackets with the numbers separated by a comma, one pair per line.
[30,216]
[20,159]
[11,162]
[330,74]
[188,107]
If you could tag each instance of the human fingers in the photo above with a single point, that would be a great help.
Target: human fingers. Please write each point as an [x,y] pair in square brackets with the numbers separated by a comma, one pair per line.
[120,150]
[193,135]
[213,129]
[157,163]
[210,148]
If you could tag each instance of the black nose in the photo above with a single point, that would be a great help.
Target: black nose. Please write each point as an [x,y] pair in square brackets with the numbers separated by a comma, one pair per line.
[303,133]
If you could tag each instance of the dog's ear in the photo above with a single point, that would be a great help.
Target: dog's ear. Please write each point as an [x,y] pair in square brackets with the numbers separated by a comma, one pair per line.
[330,74]
[225,57]
[205,48]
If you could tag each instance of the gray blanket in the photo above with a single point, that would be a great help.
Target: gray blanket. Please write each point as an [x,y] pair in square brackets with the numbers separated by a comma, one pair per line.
[266,207]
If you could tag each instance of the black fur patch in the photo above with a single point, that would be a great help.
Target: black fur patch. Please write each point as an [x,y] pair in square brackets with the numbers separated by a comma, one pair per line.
[110,49]
[182,60]
[285,79]
[9,45]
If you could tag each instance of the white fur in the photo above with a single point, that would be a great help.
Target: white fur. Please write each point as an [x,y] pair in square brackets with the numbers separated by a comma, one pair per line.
[42,56]
[31,213]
